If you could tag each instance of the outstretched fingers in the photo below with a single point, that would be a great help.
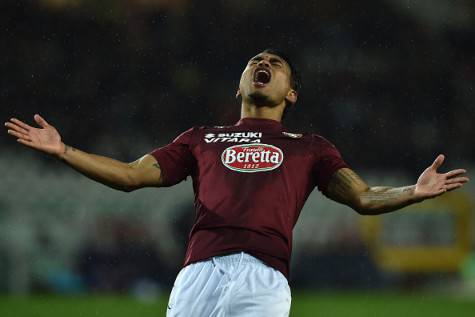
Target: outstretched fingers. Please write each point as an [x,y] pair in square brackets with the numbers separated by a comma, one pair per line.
[438,161]
[41,121]
[455,173]
[19,135]
[455,180]
[15,127]
[450,187]
[28,143]
[20,124]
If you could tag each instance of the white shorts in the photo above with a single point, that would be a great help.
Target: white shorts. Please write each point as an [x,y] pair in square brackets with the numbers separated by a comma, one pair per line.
[230,286]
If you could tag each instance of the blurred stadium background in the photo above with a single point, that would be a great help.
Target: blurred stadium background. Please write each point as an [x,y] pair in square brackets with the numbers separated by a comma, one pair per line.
[390,82]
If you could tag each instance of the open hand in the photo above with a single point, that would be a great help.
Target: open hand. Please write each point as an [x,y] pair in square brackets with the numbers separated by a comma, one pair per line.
[45,139]
[432,184]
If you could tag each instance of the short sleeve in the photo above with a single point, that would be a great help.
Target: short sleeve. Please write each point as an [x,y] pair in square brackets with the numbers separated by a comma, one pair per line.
[328,160]
[176,159]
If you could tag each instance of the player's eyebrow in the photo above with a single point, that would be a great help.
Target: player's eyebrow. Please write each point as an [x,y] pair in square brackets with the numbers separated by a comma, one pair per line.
[273,59]
[257,58]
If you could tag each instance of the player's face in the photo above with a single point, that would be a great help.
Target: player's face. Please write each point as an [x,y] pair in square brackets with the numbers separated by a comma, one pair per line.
[266,80]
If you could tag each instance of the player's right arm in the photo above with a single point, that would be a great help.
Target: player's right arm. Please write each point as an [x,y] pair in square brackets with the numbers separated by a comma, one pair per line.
[144,172]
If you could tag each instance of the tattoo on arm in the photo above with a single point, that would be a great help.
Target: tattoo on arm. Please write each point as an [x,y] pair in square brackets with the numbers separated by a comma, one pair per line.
[348,188]
[386,194]
[345,185]
[378,200]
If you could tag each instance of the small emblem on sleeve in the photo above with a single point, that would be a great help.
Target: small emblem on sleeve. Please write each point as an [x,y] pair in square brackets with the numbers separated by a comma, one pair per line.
[293,135]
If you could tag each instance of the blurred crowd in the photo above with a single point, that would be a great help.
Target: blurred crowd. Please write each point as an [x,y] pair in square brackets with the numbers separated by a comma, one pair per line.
[390,84]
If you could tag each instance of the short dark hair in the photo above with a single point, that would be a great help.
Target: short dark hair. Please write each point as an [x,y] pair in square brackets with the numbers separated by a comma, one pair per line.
[295,80]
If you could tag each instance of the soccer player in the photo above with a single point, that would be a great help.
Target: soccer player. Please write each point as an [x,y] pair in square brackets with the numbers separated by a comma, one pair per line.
[250,181]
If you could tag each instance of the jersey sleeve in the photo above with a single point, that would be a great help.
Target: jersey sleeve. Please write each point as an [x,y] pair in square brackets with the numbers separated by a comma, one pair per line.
[176,159]
[328,160]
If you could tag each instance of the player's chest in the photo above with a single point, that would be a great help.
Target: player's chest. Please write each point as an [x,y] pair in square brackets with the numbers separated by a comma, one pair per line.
[251,151]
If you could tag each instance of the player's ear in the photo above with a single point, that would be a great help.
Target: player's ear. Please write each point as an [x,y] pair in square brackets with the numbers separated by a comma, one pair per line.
[238,93]
[292,96]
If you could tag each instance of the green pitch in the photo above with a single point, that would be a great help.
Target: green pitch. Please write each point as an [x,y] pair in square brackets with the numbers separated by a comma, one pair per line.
[303,305]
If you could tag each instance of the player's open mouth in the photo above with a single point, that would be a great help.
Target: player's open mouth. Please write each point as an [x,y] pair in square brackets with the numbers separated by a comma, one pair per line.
[262,76]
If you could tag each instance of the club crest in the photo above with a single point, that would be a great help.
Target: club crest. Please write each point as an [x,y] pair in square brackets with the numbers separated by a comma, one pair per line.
[293,135]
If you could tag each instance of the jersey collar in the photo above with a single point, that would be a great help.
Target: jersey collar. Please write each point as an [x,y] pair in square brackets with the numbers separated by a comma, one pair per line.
[260,123]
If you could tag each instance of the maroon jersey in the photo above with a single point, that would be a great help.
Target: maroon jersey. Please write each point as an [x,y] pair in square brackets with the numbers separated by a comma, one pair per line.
[251,181]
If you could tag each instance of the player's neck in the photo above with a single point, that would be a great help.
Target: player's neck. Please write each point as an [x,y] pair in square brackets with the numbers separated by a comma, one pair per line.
[262,112]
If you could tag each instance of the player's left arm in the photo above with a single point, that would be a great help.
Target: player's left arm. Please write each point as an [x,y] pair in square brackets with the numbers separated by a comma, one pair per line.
[348,188]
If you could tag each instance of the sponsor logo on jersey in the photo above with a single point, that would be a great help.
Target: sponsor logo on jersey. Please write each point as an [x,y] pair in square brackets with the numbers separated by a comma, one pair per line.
[235,137]
[251,158]
[293,135]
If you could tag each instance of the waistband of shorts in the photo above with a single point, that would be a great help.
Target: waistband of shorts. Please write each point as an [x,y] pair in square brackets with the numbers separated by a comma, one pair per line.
[236,258]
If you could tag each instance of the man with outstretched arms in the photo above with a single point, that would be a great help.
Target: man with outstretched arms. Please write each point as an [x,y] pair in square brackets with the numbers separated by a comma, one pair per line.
[250,180]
